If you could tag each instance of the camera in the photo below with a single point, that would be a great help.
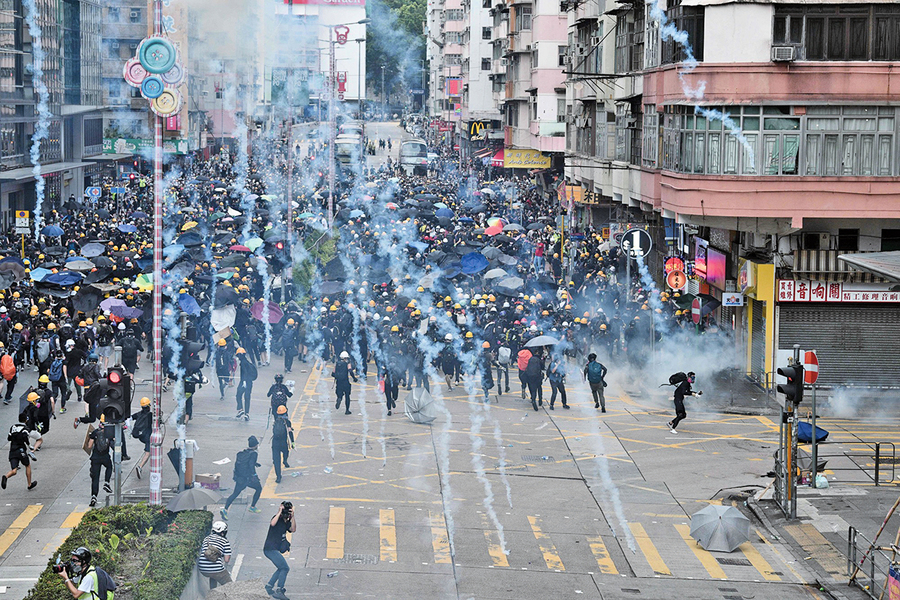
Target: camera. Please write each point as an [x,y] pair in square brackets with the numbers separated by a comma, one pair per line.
[62,567]
[288,506]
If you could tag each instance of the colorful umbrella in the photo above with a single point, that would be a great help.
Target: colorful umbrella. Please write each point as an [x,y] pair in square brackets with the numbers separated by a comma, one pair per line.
[391,206]
[495,230]
[189,225]
[496,221]
[240,248]
[274,313]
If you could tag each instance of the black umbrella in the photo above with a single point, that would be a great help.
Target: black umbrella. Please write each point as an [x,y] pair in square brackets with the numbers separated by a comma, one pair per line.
[536,226]
[55,250]
[97,276]
[103,213]
[191,238]
[492,253]
[225,295]
[335,269]
[86,299]
[6,280]
[331,287]
[232,260]
[181,270]
[92,249]
[502,238]
[103,261]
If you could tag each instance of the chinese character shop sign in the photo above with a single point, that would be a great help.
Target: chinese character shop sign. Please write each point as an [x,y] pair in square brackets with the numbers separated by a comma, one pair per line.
[802,290]
[515,158]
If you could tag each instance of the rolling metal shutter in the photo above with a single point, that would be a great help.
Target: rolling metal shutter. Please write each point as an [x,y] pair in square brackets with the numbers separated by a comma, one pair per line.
[856,343]
[758,342]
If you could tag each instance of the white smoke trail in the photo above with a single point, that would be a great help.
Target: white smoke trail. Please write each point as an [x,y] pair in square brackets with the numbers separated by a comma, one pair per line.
[42,126]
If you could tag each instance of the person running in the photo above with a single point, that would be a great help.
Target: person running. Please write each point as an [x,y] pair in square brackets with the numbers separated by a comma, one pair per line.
[142,429]
[18,455]
[683,389]
[276,545]
[281,432]
[99,445]
[215,552]
[343,372]
[595,373]
[249,374]
[557,376]
[245,476]
[534,376]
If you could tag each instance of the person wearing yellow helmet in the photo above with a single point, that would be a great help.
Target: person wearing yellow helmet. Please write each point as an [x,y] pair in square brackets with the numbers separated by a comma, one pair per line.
[141,429]
[290,343]
[282,440]
[248,375]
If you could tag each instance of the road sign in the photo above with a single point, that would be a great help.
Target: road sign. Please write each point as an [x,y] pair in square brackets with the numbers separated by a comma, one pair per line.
[22,220]
[417,92]
[695,310]
[810,367]
[637,243]
[118,190]
[676,280]
[92,192]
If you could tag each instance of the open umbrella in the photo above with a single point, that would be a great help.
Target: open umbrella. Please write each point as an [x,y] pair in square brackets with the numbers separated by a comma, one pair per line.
[195,498]
[512,227]
[444,212]
[536,226]
[189,225]
[512,283]
[97,276]
[542,340]
[126,228]
[190,238]
[93,249]
[52,231]
[495,273]
[240,248]
[139,214]
[491,253]
[419,406]
[356,213]
[188,304]
[720,528]
[493,230]
[64,278]
[40,274]
[103,261]
[274,313]
[80,265]
[86,299]
[331,287]
[126,312]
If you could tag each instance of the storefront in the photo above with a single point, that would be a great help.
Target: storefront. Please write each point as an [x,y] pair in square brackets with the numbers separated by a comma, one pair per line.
[757,284]
[853,327]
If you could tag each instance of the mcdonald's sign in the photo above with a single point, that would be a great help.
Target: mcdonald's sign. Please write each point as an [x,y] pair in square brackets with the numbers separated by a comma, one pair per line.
[478,130]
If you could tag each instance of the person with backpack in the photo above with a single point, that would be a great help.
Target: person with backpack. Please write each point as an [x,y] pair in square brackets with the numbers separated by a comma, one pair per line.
[522,358]
[245,476]
[106,339]
[249,374]
[278,394]
[9,371]
[557,376]
[91,372]
[99,445]
[534,376]
[343,372]
[19,439]
[75,357]
[141,430]
[595,374]
[42,353]
[281,432]
[486,360]
[131,351]
[682,383]
[86,582]
[56,373]
[215,552]
[504,355]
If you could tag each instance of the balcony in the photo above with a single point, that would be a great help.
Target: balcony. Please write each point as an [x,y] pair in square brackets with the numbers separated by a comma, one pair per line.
[824,265]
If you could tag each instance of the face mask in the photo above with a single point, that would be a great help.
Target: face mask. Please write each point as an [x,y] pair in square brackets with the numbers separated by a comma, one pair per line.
[77,568]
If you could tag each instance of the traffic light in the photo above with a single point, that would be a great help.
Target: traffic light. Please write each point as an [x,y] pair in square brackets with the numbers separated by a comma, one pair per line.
[190,357]
[793,389]
[116,402]
[131,176]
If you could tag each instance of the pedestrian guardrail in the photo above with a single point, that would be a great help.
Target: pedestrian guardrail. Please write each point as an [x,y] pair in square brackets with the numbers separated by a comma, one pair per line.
[884,457]
[873,564]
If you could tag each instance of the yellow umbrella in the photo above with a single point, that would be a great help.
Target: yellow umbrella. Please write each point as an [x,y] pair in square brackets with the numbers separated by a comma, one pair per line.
[189,225]
[144,282]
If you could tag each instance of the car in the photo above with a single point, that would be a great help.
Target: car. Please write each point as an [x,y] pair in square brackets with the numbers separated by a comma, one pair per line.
[432,156]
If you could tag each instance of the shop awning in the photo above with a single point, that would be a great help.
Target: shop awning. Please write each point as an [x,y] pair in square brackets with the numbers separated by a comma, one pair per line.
[26,172]
[484,152]
[109,157]
[497,159]
[884,264]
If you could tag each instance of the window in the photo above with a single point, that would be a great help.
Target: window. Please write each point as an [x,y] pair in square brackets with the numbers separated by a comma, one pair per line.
[840,31]
[651,136]
[562,53]
[848,240]
[455,14]
[135,15]
[560,109]
[113,15]
[93,132]
[690,20]
[486,4]
[485,64]
[890,240]
[485,33]
[523,18]
[453,59]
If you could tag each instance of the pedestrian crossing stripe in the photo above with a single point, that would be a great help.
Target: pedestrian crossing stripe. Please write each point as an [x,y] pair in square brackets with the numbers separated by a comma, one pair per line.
[335,537]
[388,535]
[440,543]
[495,549]
[548,549]
[706,559]
[18,526]
[649,550]
[601,554]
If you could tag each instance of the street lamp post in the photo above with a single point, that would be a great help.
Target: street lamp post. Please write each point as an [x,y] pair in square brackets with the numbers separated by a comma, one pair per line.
[383,95]
[360,89]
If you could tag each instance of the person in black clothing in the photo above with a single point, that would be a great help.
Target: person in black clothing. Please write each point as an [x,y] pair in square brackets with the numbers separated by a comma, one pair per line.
[75,357]
[245,385]
[281,432]
[131,349]
[142,429]
[100,442]
[683,389]
[290,341]
[245,476]
[275,545]
[18,454]
[343,372]
[534,375]
[279,393]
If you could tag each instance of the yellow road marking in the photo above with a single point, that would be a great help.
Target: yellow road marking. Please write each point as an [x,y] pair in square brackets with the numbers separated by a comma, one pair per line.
[335,533]
[440,543]
[604,561]
[18,526]
[759,563]
[548,549]
[498,556]
[73,519]
[775,551]
[388,533]
[649,550]
[706,559]
[56,541]
[818,547]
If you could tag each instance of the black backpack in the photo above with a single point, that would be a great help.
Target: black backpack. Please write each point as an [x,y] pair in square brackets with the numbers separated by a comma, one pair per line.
[243,464]
[105,583]
[101,442]
[341,370]
[279,429]
[141,425]
[678,378]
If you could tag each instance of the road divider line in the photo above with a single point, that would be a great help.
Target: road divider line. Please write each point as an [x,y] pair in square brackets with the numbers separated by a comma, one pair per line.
[708,561]
[335,533]
[548,548]
[440,543]
[18,526]
[601,554]
[651,554]
[388,535]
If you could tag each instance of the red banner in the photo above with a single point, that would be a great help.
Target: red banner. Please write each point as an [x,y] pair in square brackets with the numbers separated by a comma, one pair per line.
[329,2]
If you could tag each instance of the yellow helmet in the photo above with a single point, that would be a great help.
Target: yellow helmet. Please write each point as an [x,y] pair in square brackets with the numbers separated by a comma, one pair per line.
[420,289]
[412,304]
[440,305]
[389,309]
[281,410]
[89,321]
[485,344]
[469,335]
[145,401]
[334,308]
[395,329]
[448,299]
[492,298]
[43,379]
[545,313]
[51,326]
[290,321]
[457,306]
[19,326]
[474,302]
[603,327]
[33,397]
[240,351]
[223,342]
[82,324]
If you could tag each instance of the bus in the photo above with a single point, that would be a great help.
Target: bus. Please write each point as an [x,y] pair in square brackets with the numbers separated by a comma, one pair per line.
[414,157]
[349,151]
[352,128]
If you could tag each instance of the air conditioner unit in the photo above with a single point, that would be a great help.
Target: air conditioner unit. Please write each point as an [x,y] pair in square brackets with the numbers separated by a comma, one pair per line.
[135,14]
[783,53]
[115,45]
[206,93]
[580,49]
[504,62]
[595,41]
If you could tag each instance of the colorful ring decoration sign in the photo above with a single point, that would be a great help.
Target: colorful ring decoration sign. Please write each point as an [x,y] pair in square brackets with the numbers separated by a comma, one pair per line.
[157,71]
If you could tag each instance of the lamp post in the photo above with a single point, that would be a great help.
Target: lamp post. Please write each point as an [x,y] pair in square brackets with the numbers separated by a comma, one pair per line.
[359,87]
[383,95]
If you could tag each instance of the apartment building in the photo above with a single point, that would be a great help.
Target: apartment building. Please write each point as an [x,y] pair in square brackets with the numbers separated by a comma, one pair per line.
[70,33]
[803,168]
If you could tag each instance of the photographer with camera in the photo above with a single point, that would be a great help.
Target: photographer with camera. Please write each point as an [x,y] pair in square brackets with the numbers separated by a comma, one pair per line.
[215,551]
[276,545]
[93,583]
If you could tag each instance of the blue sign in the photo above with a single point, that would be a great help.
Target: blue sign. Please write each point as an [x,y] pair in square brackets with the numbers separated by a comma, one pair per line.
[93,192]
[417,91]
[118,190]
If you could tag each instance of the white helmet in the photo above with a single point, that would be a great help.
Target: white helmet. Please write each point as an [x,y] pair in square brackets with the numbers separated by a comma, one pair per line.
[220,527]
[448,337]
[344,355]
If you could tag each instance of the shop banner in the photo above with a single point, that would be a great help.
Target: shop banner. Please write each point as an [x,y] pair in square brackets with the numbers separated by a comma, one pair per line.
[803,290]
[141,146]
[329,2]
[515,158]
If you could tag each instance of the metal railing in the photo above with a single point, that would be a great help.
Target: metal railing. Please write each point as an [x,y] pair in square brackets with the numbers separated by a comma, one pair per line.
[874,565]
[882,457]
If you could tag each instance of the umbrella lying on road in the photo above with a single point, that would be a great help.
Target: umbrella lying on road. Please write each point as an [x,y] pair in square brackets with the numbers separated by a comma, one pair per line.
[195,498]
[419,406]
[720,528]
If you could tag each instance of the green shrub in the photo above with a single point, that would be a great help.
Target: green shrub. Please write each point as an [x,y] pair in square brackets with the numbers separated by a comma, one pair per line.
[172,546]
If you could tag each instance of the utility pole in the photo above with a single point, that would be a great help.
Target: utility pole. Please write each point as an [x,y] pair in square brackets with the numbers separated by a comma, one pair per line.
[383,94]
